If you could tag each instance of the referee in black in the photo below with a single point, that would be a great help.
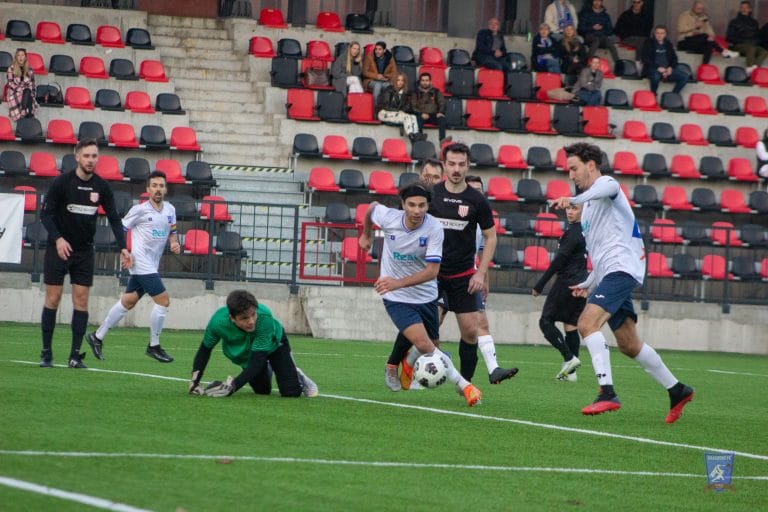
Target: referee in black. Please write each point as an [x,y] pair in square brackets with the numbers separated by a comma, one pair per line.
[570,265]
[69,214]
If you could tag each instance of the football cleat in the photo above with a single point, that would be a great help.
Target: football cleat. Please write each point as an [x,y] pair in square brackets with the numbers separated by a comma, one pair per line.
[605,402]
[46,359]
[391,379]
[569,377]
[406,376]
[569,366]
[500,374]
[308,386]
[96,345]
[77,361]
[472,395]
[677,403]
[158,353]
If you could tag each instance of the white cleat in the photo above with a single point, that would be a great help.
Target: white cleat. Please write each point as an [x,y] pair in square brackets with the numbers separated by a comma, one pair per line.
[391,378]
[568,367]
[308,386]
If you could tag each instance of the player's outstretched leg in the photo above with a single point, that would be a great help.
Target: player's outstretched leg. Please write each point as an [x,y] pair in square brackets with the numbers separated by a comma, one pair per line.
[606,401]
[391,378]
[679,395]
[96,345]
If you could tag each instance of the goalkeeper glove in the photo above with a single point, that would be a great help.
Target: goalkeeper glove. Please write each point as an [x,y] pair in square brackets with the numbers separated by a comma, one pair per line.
[194,384]
[218,389]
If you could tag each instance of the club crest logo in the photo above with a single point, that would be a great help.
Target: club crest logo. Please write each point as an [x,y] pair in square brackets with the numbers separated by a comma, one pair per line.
[422,241]
[463,210]
[170,219]
[94,197]
[391,237]
[719,471]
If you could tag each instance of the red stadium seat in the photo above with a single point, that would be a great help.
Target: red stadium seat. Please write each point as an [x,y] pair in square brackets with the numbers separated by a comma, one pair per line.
[395,150]
[431,56]
[361,108]
[78,97]
[110,36]
[49,32]
[382,182]
[561,160]
[351,251]
[740,169]
[625,162]
[732,201]
[544,82]
[172,170]
[438,78]
[675,198]
[764,269]
[322,180]
[197,242]
[605,67]
[724,233]
[759,77]
[360,211]
[152,71]
[60,131]
[261,47]
[683,166]
[709,74]
[558,188]
[272,18]
[6,130]
[500,189]
[538,119]
[536,258]
[30,197]
[645,100]
[108,168]
[596,123]
[665,231]
[755,106]
[511,157]
[497,225]
[122,135]
[547,225]
[319,49]
[36,64]
[713,266]
[93,67]
[139,102]
[43,164]
[335,146]
[491,84]
[636,131]
[701,104]
[301,105]
[746,136]
[480,115]
[316,64]
[329,21]
[691,134]
[658,265]
[215,207]
[184,139]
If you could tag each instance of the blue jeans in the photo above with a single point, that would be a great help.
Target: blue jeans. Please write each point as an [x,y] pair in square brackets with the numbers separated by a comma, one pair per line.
[589,97]
[678,76]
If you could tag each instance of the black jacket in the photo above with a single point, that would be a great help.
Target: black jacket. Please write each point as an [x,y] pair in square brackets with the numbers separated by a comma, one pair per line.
[570,261]
[390,99]
[484,43]
[742,29]
[649,57]
[630,24]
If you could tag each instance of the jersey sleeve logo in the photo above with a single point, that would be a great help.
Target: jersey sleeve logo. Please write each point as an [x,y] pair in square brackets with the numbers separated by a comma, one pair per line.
[463,210]
[94,197]
[422,241]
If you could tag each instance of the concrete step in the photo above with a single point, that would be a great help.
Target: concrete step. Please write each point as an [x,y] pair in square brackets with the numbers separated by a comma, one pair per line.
[213,86]
[255,183]
[266,197]
[236,140]
[189,94]
[196,53]
[232,116]
[192,42]
[254,128]
[230,159]
[200,73]
[235,64]
[202,33]
[159,20]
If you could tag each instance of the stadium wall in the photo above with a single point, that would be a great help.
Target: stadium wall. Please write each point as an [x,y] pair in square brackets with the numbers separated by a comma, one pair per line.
[357,314]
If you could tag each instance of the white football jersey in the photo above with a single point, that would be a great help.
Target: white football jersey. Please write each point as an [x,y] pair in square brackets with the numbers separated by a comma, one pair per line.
[614,242]
[407,252]
[150,230]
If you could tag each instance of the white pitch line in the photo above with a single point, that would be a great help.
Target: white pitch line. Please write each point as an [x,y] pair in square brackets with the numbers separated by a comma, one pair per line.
[528,423]
[343,462]
[738,373]
[69,496]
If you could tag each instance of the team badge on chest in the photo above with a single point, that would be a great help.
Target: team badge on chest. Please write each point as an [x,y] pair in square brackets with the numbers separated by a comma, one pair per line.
[94,197]
[463,210]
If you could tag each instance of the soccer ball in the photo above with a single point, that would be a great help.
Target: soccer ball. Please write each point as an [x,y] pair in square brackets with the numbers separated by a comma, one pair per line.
[430,370]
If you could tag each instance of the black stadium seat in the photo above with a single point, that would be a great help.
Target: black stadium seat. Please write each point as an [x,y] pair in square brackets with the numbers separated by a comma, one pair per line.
[720,135]
[736,75]
[138,38]
[758,201]
[617,98]
[461,82]
[728,104]
[645,196]
[332,106]
[168,103]
[711,167]
[153,137]
[29,130]
[108,99]
[520,86]
[672,102]
[122,69]
[305,145]
[287,47]
[655,165]
[460,58]
[406,178]
[358,23]
[509,117]
[92,130]
[230,243]
[539,159]
[13,163]
[6,59]
[78,33]
[352,180]
[529,191]
[338,213]
[403,55]
[68,163]
[199,172]
[18,30]
[454,114]
[423,149]
[62,65]
[285,72]
[703,199]
[136,169]
[664,132]
[481,155]
[364,148]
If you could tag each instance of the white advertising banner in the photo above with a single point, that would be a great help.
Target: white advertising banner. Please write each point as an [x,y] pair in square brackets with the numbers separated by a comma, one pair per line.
[11,225]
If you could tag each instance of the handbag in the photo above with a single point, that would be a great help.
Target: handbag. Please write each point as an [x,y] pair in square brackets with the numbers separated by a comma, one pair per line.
[560,94]
[49,94]
[317,73]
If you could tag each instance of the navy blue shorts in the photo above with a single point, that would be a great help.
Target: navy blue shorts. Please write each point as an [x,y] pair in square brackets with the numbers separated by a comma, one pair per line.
[614,295]
[147,283]
[404,315]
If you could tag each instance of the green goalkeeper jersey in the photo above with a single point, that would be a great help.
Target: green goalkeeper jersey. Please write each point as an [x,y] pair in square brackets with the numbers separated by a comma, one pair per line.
[237,344]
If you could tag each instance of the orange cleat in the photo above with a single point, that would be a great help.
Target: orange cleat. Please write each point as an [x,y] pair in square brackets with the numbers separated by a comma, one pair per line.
[472,395]
[406,375]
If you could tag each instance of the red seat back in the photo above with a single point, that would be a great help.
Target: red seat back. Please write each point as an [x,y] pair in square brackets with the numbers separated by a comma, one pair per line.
[109,35]
[382,182]
[511,157]
[272,18]
[535,257]
[322,179]
[329,21]
[262,47]
[78,97]
[93,67]
[49,32]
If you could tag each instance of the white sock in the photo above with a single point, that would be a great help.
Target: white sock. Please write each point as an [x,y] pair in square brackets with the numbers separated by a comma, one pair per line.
[156,321]
[649,359]
[488,350]
[113,318]
[453,375]
[412,356]
[601,357]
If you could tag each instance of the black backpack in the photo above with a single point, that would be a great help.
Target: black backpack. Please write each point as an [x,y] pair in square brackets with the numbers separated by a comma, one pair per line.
[49,94]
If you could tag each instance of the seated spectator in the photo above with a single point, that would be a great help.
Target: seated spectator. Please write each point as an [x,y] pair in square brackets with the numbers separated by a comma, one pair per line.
[21,88]
[762,156]
[587,87]
[696,34]
[545,52]
[660,61]
[428,104]
[394,105]
[634,26]
[744,37]
[558,15]
[573,54]
[378,69]
[597,30]
[490,51]
[347,70]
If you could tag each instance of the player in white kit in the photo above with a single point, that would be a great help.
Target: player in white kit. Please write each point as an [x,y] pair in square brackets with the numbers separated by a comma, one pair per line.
[413,248]
[615,246]
[152,225]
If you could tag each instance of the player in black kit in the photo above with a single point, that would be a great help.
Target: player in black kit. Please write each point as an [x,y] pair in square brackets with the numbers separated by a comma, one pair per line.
[69,214]
[570,265]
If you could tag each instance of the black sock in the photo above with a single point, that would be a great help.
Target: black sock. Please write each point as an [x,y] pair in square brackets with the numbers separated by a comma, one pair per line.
[79,325]
[47,325]
[607,389]
[676,390]
[555,337]
[572,340]
[468,359]
[399,349]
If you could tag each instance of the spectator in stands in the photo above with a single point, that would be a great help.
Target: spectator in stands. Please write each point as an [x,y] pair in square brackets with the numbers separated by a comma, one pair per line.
[545,51]
[394,105]
[428,104]
[378,69]
[558,15]
[587,87]
[634,26]
[347,70]
[573,54]
[762,156]
[490,51]
[744,37]
[696,34]
[21,87]
[660,61]
[596,28]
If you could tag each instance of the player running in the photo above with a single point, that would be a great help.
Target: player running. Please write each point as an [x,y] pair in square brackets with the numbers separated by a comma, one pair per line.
[616,249]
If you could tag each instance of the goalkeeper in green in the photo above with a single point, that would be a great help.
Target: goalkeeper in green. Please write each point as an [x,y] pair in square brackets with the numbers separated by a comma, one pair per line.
[253,339]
